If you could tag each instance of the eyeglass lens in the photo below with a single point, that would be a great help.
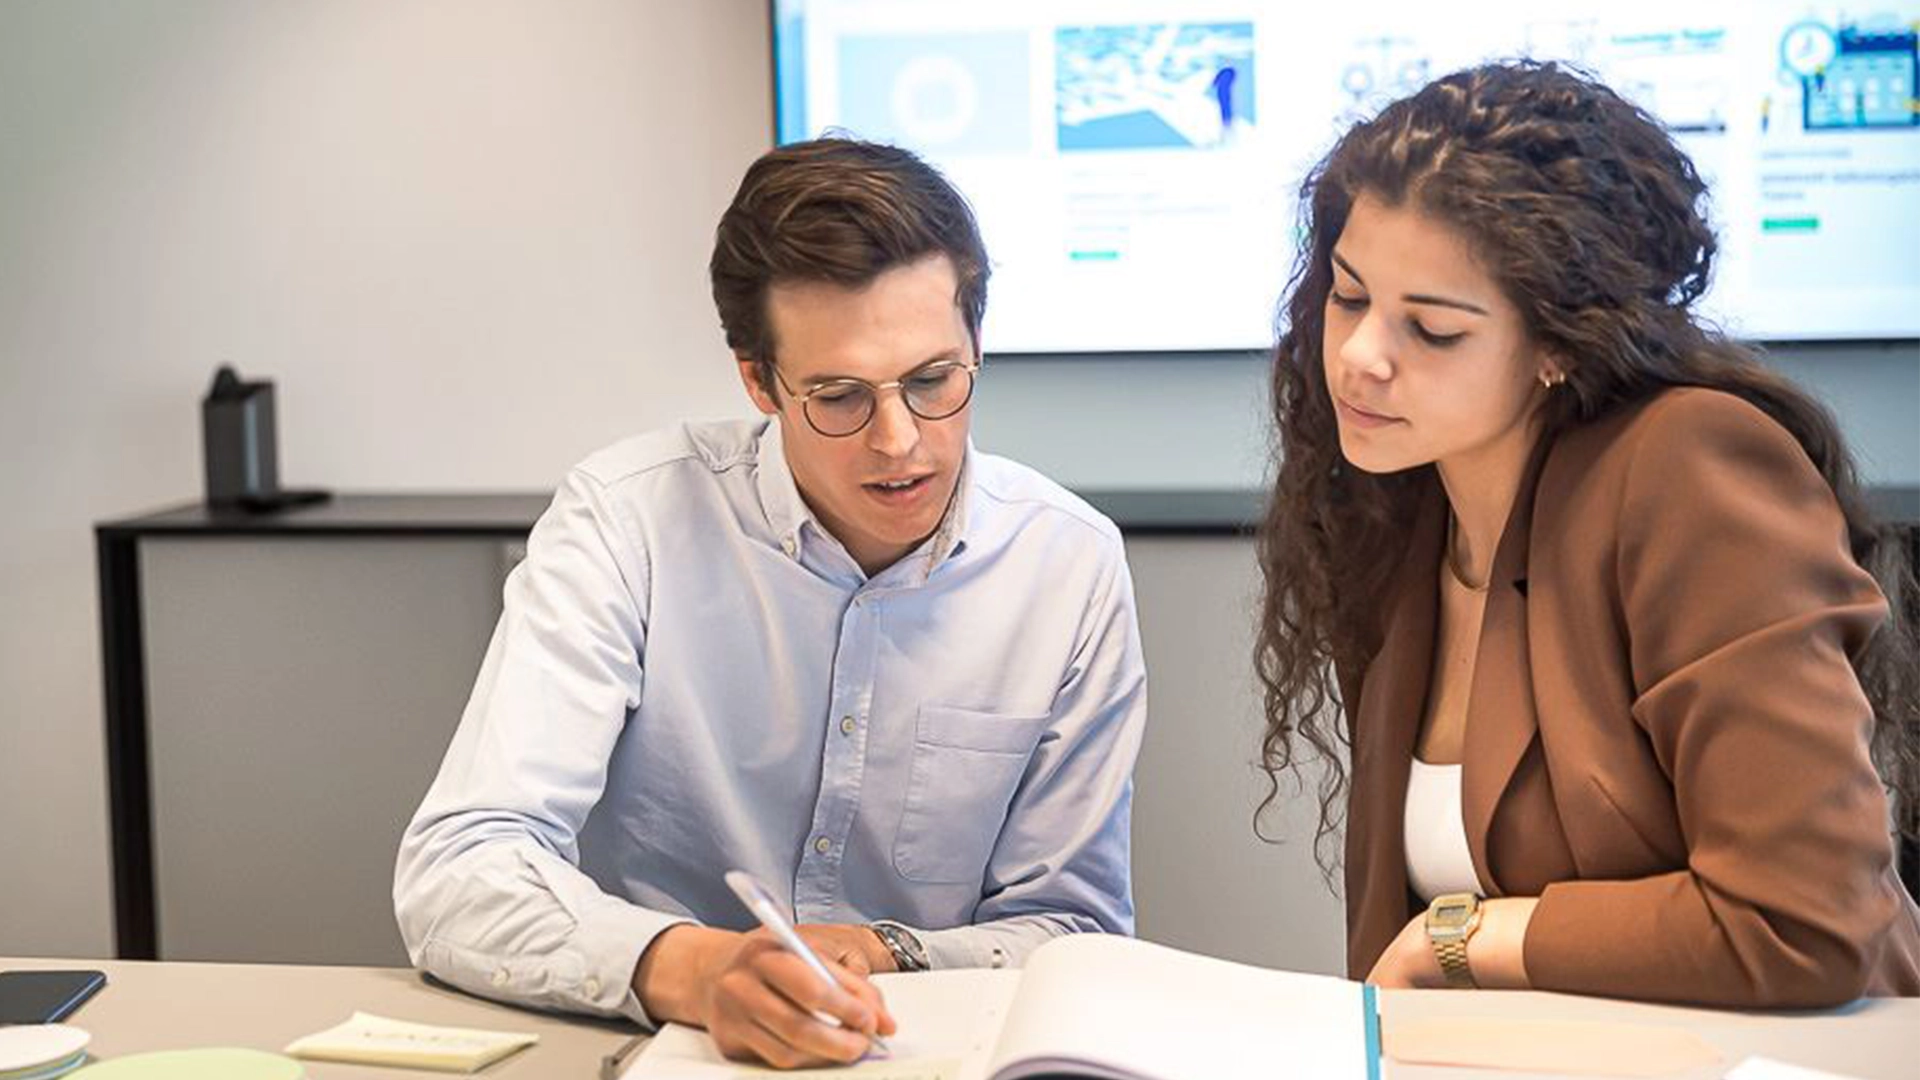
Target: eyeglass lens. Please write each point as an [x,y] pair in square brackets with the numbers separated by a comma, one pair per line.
[933,393]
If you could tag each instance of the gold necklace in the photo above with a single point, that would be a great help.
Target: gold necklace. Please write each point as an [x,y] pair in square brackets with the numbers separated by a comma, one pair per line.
[1453,566]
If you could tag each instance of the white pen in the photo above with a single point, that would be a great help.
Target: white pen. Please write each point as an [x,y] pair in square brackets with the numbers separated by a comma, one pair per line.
[759,901]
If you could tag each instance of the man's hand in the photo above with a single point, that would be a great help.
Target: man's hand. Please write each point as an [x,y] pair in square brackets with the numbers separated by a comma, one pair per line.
[757,999]
[856,948]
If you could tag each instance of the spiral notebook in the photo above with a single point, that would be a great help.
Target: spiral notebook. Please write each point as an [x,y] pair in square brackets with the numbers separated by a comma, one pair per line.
[1094,1005]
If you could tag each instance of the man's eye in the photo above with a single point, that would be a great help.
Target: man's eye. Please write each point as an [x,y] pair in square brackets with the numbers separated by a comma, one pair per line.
[930,380]
[838,395]
[1347,303]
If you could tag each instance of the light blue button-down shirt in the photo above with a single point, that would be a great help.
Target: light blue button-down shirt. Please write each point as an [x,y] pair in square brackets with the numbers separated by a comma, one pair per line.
[691,675]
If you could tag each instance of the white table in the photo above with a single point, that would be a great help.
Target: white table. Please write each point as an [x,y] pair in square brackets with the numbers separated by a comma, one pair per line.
[175,1005]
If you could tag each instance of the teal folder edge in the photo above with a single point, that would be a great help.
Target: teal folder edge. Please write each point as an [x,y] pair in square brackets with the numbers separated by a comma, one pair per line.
[1370,1010]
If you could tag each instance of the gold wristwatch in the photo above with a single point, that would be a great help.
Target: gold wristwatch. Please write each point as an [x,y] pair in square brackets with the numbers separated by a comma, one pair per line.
[1451,920]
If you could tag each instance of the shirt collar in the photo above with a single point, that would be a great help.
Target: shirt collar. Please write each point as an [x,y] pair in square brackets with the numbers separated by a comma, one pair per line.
[779,496]
[787,512]
[951,537]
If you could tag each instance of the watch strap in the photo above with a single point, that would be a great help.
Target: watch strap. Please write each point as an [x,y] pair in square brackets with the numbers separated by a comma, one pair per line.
[908,952]
[1452,955]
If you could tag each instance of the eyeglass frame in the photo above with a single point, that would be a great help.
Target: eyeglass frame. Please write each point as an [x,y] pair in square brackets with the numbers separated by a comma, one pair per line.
[970,367]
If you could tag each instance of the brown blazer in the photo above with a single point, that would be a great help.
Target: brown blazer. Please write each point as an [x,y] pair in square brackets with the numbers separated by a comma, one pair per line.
[1665,739]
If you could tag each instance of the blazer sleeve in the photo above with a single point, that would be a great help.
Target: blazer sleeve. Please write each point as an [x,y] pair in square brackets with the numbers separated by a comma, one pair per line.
[1743,608]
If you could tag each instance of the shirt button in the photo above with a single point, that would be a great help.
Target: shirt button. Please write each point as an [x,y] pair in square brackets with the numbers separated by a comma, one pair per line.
[999,959]
[787,545]
[499,976]
[847,725]
[592,987]
[823,845]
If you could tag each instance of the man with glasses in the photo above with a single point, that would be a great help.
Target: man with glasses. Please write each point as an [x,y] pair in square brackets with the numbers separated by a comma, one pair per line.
[895,679]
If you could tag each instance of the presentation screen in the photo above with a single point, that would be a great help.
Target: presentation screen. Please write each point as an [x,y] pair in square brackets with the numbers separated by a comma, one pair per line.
[1134,165]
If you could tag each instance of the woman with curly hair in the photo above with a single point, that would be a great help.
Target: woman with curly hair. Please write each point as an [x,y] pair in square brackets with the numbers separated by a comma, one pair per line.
[1584,596]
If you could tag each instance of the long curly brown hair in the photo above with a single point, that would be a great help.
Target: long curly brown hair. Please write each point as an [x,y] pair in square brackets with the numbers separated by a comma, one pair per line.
[1589,216]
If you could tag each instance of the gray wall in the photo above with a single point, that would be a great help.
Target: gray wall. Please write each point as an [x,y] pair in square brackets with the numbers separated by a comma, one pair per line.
[301,693]
[1199,422]
[1202,879]
[467,241]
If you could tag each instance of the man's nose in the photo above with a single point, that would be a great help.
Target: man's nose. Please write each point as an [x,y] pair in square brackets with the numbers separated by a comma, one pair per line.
[894,431]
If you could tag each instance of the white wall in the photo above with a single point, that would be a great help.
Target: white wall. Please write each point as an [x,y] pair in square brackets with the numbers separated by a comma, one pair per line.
[467,240]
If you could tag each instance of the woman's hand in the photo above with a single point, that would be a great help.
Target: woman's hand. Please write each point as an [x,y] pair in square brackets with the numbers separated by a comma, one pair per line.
[1408,963]
[1496,953]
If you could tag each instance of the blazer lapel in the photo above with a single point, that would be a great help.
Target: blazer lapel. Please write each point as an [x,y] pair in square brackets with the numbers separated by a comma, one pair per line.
[1386,722]
[1501,720]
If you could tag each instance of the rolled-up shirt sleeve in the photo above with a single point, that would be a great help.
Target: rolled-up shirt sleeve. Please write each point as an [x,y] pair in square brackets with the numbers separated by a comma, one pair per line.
[488,890]
[1062,862]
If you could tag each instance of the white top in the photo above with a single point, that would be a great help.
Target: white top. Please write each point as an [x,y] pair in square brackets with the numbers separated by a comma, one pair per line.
[1438,861]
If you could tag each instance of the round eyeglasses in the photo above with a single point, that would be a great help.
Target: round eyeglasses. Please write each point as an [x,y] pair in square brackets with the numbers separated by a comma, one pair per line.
[838,408]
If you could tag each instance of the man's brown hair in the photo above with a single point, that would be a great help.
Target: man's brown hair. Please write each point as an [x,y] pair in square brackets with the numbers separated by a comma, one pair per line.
[839,211]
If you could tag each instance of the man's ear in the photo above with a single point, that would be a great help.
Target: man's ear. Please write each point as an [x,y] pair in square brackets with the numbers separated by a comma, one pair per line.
[750,378]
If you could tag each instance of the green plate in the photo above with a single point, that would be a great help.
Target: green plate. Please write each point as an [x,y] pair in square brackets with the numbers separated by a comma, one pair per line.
[225,1063]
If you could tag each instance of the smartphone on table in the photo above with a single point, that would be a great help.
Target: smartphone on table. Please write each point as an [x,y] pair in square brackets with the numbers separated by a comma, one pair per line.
[45,997]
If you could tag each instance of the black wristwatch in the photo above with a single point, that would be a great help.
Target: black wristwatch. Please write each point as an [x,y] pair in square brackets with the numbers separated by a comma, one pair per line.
[908,953]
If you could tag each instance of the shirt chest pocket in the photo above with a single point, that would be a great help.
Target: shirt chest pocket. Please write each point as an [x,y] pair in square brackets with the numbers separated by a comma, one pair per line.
[966,765]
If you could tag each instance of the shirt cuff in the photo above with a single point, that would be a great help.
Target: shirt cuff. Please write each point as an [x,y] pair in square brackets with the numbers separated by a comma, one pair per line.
[1004,943]
[610,939]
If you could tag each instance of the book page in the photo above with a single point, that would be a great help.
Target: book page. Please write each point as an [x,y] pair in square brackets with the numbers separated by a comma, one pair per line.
[948,1021]
[1570,1047]
[1100,1005]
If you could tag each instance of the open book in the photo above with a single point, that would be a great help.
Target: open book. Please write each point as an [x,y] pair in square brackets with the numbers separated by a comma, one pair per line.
[1094,1005]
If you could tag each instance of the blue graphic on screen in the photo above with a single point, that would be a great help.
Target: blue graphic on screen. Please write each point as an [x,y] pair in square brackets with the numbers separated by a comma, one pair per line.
[1868,80]
[950,93]
[1153,86]
[1223,95]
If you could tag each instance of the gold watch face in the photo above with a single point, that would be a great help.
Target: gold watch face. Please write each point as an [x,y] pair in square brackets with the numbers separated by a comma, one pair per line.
[1451,912]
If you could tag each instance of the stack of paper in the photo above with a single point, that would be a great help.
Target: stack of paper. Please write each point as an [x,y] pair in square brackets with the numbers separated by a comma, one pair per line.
[365,1039]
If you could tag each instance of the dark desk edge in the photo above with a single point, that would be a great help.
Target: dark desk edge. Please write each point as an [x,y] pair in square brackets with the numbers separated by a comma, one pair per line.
[1197,512]
[507,514]
[383,514]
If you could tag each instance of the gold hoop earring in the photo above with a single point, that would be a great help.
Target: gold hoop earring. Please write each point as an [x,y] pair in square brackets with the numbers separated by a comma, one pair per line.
[1551,379]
